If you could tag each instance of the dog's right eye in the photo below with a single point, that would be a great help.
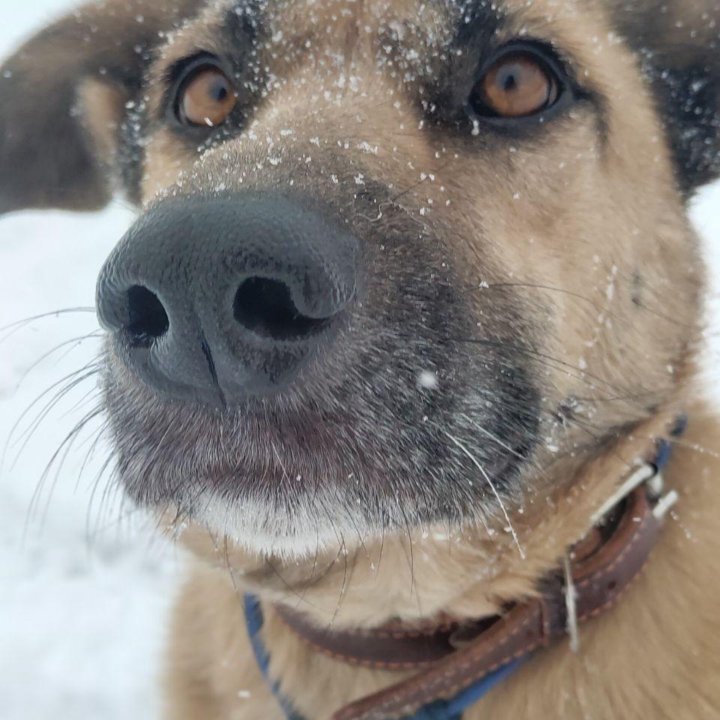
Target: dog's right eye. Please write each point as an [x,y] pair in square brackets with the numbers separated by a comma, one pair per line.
[206,97]
[518,85]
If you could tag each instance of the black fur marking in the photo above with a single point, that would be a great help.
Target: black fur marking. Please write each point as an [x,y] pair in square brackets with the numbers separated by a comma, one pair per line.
[637,288]
[688,100]
[473,49]
[679,52]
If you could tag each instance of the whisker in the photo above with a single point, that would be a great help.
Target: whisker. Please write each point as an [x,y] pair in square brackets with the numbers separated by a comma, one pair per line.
[495,492]
[110,486]
[11,435]
[567,368]
[410,557]
[92,448]
[73,343]
[93,394]
[494,438]
[344,585]
[115,523]
[60,453]
[75,373]
[71,382]
[12,328]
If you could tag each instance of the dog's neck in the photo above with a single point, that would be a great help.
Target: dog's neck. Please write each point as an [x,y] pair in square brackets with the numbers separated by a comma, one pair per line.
[456,663]
[469,572]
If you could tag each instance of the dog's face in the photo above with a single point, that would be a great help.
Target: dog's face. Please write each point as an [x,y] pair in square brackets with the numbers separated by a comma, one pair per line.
[399,263]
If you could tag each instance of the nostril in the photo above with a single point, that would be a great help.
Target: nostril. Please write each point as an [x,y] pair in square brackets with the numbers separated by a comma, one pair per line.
[147,318]
[266,307]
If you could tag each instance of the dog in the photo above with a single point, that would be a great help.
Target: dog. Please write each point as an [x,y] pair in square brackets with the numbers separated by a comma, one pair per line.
[412,296]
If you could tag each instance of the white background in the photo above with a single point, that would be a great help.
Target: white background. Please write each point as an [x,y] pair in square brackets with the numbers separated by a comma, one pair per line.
[84,586]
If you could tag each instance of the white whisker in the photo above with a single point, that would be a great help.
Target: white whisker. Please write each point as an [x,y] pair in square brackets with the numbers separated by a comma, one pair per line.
[477,464]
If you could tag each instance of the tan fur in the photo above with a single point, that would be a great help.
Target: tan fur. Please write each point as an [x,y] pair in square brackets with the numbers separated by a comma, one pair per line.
[665,628]
[663,634]
[586,225]
[538,224]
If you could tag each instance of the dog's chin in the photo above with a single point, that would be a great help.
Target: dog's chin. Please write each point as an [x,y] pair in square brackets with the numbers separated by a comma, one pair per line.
[296,505]
[300,495]
[262,532]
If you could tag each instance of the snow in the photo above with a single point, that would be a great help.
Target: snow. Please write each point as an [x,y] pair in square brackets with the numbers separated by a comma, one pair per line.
[86,586]
[84,597]
[86,583]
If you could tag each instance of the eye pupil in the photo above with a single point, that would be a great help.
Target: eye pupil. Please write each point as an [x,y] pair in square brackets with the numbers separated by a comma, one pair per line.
[220,92]
[206,98]
[509,83]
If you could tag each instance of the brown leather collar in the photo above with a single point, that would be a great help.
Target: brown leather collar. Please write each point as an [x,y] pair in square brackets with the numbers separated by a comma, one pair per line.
[452,656]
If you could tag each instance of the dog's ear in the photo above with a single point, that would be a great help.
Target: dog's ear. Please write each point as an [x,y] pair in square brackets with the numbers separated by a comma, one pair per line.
[62,96]
[678,42]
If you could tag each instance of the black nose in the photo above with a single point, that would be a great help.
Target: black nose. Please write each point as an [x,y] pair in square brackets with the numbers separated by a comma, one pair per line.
[217,299]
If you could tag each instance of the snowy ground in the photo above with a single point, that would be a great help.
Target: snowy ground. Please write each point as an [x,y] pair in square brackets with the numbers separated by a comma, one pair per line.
[83,595]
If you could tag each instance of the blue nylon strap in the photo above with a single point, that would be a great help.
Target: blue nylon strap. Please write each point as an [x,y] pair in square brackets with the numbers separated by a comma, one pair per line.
[254,620]
[441,710]
[664,453]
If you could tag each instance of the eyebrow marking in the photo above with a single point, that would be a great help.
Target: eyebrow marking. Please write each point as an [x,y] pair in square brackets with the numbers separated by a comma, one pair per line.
[244,21]
[477,23]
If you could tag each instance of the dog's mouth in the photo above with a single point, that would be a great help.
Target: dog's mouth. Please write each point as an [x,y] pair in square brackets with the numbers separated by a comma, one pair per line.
[282,475]
[380,414]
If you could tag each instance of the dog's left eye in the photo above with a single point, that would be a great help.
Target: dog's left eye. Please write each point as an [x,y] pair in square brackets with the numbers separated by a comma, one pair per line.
[206,98]
[520,83]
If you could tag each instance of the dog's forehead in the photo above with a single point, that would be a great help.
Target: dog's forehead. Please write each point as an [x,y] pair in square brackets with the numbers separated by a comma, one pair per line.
[424,26]
[335,19]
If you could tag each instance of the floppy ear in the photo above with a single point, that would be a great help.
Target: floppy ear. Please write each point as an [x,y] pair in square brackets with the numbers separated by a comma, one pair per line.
[97,55]
[678,42]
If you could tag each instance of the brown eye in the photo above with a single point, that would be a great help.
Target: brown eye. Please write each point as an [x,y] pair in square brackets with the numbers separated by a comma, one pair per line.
[518,85]
[206,98]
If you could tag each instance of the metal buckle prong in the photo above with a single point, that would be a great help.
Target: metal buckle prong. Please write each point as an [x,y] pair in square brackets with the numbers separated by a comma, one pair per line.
[642,475]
